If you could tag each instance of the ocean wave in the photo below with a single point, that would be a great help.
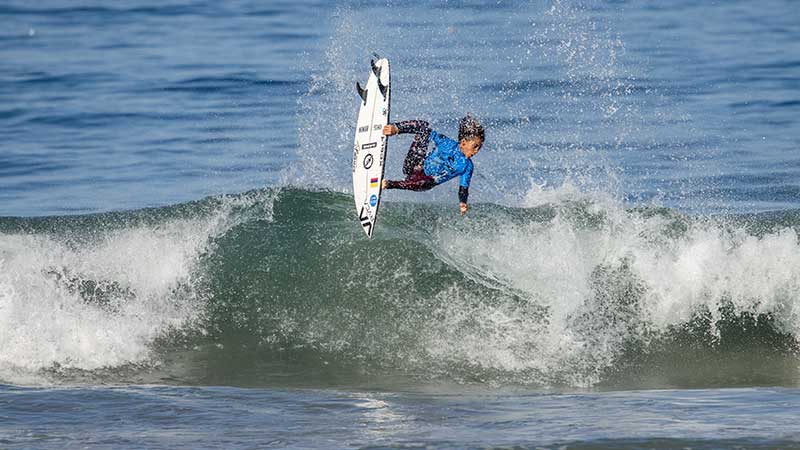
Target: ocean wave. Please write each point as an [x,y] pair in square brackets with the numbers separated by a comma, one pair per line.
[280,286]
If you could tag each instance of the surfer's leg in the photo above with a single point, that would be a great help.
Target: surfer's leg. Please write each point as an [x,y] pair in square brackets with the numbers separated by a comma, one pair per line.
[411,185]
[417,181]
[416,153]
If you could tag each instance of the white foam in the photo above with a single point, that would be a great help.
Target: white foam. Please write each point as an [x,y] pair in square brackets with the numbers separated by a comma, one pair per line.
[152,285]
[557,264]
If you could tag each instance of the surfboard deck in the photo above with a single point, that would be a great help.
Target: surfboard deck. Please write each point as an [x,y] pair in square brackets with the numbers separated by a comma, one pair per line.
[369,150]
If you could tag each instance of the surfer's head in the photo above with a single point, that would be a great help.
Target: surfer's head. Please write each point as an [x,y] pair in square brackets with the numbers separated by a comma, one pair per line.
[469,127]
[470,135]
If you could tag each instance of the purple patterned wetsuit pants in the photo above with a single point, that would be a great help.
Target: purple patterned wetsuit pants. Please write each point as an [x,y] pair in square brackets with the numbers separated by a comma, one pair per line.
[416,180]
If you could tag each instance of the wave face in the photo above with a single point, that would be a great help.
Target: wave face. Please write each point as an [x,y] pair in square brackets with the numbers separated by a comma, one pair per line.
[281,287]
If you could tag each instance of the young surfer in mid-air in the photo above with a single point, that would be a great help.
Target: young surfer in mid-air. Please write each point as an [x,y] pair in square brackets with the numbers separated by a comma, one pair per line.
[448,160]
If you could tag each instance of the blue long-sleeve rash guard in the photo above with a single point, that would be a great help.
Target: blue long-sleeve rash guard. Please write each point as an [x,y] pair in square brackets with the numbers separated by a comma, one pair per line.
[446,161]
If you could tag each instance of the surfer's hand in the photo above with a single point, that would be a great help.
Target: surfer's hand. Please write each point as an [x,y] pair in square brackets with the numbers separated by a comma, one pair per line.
[463,207]
[390,130]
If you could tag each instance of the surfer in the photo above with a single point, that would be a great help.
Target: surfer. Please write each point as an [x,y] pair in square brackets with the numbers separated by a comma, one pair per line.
[448,160]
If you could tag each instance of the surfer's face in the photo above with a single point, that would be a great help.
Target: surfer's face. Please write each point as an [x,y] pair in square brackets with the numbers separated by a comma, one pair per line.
[470,146]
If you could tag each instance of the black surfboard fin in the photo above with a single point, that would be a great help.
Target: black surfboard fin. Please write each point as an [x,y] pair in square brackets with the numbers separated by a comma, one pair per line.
[382,87]
[375,69]
[361,92]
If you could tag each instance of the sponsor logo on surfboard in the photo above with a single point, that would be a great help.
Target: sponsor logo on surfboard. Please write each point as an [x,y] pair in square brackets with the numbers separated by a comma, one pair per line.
[373,182]
[368,161]
[373,200]
[363,216]
[369,145]
[376,127]
[363,129]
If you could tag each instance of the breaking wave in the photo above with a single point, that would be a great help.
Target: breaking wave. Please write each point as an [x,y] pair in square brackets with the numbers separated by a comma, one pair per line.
[281,287]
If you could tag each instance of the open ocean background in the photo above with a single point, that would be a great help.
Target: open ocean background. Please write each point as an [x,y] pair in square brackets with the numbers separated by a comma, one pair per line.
[181,265]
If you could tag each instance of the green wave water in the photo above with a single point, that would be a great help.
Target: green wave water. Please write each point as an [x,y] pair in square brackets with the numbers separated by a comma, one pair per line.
[280,287]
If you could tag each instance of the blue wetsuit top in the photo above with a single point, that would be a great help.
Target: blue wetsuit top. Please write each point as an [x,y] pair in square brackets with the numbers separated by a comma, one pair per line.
[447,161]
[444,163]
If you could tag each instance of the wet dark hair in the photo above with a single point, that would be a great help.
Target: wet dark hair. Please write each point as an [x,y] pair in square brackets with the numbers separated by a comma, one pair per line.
[469,127]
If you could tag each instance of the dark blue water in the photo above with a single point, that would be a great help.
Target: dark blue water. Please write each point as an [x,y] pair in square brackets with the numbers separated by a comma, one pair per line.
[180,264]
[217,417]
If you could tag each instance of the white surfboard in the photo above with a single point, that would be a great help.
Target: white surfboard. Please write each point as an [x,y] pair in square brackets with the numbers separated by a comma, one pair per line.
[369,152]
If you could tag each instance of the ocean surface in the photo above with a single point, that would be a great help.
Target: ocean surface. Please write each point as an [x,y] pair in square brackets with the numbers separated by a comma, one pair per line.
[181,264]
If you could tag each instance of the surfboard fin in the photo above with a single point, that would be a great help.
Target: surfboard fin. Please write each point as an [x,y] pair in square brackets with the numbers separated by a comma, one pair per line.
[361,92]
[375,69]
[382,87]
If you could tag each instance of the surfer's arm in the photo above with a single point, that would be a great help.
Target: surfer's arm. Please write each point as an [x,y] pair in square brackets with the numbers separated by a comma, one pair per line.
[463,188]
[413,126]
[463,195]
[407,126]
